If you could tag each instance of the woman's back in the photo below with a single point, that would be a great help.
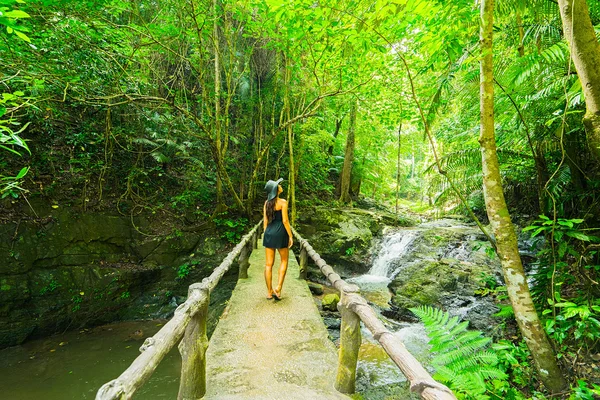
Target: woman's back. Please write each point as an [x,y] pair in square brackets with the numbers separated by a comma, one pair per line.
[277,216]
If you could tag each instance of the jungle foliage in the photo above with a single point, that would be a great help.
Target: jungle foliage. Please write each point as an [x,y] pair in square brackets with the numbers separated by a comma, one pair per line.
[184,109]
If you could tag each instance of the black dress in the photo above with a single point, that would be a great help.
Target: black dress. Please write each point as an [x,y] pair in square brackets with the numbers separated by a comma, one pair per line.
[276,237]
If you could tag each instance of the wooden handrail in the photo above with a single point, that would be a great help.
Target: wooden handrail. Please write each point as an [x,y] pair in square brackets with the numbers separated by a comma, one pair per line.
[354,308]
[188,326]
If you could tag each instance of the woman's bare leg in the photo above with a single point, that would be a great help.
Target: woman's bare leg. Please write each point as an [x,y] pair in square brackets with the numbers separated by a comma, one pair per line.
[270,257]
[284,255]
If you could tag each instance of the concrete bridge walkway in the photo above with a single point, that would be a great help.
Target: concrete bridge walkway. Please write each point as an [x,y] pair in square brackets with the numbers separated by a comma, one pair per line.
[267,349]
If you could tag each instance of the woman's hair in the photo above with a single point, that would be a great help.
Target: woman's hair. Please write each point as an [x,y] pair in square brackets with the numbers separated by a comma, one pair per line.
[271,208]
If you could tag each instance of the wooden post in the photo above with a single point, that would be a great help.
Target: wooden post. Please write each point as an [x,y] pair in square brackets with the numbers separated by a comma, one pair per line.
[255,240]
[303,262]
[350,340]
[193,347]
[243,262]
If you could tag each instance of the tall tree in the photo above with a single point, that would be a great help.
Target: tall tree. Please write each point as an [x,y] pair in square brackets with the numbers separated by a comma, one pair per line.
[346,177]
[585,52]
[217,118]
[398,161]
[291,198]
[502,226]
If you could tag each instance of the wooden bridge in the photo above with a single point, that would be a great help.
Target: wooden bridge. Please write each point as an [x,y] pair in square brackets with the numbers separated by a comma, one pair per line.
[266,349]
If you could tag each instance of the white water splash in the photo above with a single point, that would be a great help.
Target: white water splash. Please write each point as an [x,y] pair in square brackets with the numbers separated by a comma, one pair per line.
[393,247]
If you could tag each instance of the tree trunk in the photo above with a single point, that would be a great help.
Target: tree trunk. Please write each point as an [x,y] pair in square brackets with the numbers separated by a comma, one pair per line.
[521,48]
[585,52]
[504,231]
[348,157]
[338,125]
[398,165]
[573,148]
[292,181]
[217,125]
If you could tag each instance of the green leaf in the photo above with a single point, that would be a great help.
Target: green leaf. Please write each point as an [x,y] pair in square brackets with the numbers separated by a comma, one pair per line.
[23,36]
[537,232]
[530,228]
[558,235]
[578,235]
[22,173]
[565,304]
[565,223]
[562,249]
[15,14]
[9,149]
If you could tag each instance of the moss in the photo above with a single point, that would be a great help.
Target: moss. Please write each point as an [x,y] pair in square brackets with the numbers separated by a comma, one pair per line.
[330,302]
[422,291]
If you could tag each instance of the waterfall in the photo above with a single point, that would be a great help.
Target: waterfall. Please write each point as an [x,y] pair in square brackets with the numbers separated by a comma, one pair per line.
[393,247]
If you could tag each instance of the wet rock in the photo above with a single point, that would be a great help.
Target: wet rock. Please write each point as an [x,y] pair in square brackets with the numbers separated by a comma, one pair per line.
[478,311]
[399,314]
[330,302]
[315,288]
[69,270]
[332,322]
[343,236]
[442,265]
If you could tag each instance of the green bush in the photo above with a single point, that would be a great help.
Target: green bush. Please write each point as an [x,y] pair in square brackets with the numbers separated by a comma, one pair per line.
[230,228]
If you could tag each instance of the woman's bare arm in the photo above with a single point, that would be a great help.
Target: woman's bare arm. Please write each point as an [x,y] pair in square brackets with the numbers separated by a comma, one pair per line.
[265,220]
[286,221]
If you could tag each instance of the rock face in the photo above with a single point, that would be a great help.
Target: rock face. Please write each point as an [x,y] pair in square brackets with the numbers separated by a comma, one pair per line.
[343,236]
[444,266]
[83,269]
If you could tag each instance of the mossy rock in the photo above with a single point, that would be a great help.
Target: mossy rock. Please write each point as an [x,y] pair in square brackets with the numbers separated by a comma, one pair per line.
[330,301]
[15,332]
[315,288]
[73,269]
[14,288]
[343,236]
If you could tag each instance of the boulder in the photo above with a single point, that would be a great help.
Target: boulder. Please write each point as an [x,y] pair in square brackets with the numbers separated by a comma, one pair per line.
[444,268]
[343,236]
[315,288]
[330,301]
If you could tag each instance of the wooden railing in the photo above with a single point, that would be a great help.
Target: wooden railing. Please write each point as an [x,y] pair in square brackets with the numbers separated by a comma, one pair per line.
[188,328]
[354,309]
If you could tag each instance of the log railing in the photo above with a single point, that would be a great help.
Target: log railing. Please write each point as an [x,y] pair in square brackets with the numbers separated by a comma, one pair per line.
[353,309]
[188,328]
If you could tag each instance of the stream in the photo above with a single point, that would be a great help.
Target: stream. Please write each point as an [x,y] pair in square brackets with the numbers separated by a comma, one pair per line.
[75,364]
[398,251]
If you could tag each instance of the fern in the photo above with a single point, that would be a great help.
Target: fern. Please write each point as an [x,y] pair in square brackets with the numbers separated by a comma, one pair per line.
[463,359]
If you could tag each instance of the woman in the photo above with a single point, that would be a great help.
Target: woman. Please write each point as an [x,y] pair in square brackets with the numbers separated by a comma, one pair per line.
[278,235]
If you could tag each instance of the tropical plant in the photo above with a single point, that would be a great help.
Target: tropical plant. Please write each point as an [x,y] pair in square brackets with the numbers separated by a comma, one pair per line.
[462,358]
